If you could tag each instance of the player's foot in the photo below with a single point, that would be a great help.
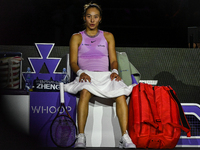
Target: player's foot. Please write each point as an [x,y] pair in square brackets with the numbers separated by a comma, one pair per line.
[81,141]
[126,142]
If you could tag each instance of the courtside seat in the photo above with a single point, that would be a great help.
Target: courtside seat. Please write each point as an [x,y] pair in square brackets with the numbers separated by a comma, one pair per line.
[102,127]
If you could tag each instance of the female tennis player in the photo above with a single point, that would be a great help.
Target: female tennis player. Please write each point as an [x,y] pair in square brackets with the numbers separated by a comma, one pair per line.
[92,53]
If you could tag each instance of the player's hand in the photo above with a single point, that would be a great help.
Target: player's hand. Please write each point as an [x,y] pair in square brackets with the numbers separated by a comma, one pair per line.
[84,77]
[115,76]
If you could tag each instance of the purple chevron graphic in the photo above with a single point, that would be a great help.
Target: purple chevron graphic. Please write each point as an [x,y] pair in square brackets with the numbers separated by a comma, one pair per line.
[191,108]
[194,140]
[44,50]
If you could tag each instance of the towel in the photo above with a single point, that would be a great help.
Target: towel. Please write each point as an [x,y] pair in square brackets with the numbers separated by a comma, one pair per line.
[100,85]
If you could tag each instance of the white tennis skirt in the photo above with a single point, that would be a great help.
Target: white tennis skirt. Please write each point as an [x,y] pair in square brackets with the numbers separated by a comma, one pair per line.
[100,85]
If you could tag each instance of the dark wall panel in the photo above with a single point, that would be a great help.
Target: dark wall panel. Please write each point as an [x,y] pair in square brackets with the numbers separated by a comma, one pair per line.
[177,67]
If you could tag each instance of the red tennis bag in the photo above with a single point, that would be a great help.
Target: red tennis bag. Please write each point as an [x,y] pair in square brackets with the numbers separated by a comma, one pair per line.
[156,117]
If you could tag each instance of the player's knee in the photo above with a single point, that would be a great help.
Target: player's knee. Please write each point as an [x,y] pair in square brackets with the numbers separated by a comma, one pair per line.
[85,93]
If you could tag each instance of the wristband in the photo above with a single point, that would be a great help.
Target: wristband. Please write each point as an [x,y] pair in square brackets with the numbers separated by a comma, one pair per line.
[79,72]
[115,71]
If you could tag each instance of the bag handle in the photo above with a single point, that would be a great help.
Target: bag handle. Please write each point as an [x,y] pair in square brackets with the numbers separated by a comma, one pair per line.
[183,119]
[149,92]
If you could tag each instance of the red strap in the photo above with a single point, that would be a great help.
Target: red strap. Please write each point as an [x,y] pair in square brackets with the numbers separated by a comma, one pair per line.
[155,125]
[181,127]
[183,119]
[150,96]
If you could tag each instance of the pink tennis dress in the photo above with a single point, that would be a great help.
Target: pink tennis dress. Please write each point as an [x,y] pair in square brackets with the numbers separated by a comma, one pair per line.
[93,52]
[93,59]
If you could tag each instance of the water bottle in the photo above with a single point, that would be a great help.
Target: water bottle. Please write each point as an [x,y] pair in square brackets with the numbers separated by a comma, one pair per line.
[28,80]
[65,77]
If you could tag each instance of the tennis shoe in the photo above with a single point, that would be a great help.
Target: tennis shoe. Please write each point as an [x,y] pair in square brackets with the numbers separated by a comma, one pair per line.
[126,142]
[80,141]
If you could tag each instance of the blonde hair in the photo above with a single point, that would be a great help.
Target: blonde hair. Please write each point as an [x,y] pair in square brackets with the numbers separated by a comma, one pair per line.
[86,6]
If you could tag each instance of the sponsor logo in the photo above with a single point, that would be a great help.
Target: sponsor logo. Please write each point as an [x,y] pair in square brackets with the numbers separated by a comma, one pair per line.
[87,44]
[93,41]
[48,109]
[101,46]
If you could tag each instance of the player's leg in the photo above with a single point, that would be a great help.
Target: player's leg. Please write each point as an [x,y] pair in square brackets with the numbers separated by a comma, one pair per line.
[82,113]
[122,113]
[82,109]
